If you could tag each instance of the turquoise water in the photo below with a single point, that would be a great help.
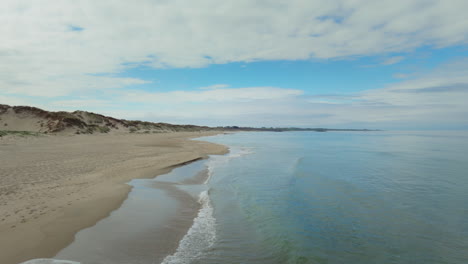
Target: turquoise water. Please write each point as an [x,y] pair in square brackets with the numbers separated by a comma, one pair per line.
[307,197]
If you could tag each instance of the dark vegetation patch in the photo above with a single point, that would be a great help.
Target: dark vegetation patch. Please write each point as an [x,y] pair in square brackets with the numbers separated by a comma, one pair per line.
[19,133]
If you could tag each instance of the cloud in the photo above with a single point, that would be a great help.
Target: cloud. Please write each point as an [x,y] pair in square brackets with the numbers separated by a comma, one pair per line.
[435,99]
[69,54]
[215,86]
[246,94]
[460,87]
[75,104]
[401,75]
[14,100]
[45,45]
[393,60]
[56,86]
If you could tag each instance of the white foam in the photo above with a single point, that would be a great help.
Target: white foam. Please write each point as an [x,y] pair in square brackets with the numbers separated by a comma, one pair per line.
[49,261]
[236,153]
[200,236]
[216,160]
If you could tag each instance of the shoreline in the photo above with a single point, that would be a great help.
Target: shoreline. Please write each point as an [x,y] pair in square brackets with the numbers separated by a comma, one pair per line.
[42,215]
[148,226]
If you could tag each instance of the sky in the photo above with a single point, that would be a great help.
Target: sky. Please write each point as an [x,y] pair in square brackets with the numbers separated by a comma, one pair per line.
[399,64]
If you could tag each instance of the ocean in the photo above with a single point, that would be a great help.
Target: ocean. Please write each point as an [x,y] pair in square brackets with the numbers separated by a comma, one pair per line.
[298,197]
[340,197]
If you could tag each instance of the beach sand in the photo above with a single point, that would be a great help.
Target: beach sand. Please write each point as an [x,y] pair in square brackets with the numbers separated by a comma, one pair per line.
[51,187]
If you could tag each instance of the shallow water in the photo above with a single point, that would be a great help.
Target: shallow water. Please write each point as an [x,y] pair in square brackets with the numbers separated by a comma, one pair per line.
[375,197]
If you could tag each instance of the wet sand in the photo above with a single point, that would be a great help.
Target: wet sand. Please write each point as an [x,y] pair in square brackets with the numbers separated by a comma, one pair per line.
[52,187]
[147,227]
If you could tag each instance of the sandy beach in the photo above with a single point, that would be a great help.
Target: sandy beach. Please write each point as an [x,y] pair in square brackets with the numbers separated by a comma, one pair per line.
[53,186]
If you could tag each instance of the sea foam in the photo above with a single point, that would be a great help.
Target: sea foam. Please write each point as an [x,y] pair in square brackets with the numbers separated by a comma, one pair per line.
[200,236]
[214,161]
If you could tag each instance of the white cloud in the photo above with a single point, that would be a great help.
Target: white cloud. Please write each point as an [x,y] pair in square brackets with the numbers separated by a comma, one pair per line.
[55,86]
[76,49]
[43,53]
[14,100]
[434,99]
[247,94]
[393,60]
[214,86]
[77,104]
[401,75]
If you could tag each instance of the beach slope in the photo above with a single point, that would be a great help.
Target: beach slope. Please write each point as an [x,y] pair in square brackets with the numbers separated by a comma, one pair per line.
[53,186]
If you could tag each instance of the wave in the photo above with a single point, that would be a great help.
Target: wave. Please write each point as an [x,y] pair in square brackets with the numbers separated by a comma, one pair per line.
[216,160]
[200,236]
[236,153]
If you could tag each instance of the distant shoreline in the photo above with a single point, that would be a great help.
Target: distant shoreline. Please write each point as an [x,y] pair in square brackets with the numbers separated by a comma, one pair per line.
[23,120]
[295,129]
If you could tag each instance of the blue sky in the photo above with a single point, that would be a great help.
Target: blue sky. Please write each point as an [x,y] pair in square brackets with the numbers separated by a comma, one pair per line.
[313,76]
[375,64]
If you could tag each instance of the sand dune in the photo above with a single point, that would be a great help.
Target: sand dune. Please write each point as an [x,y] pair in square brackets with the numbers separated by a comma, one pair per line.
[27,118]
[53,186]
